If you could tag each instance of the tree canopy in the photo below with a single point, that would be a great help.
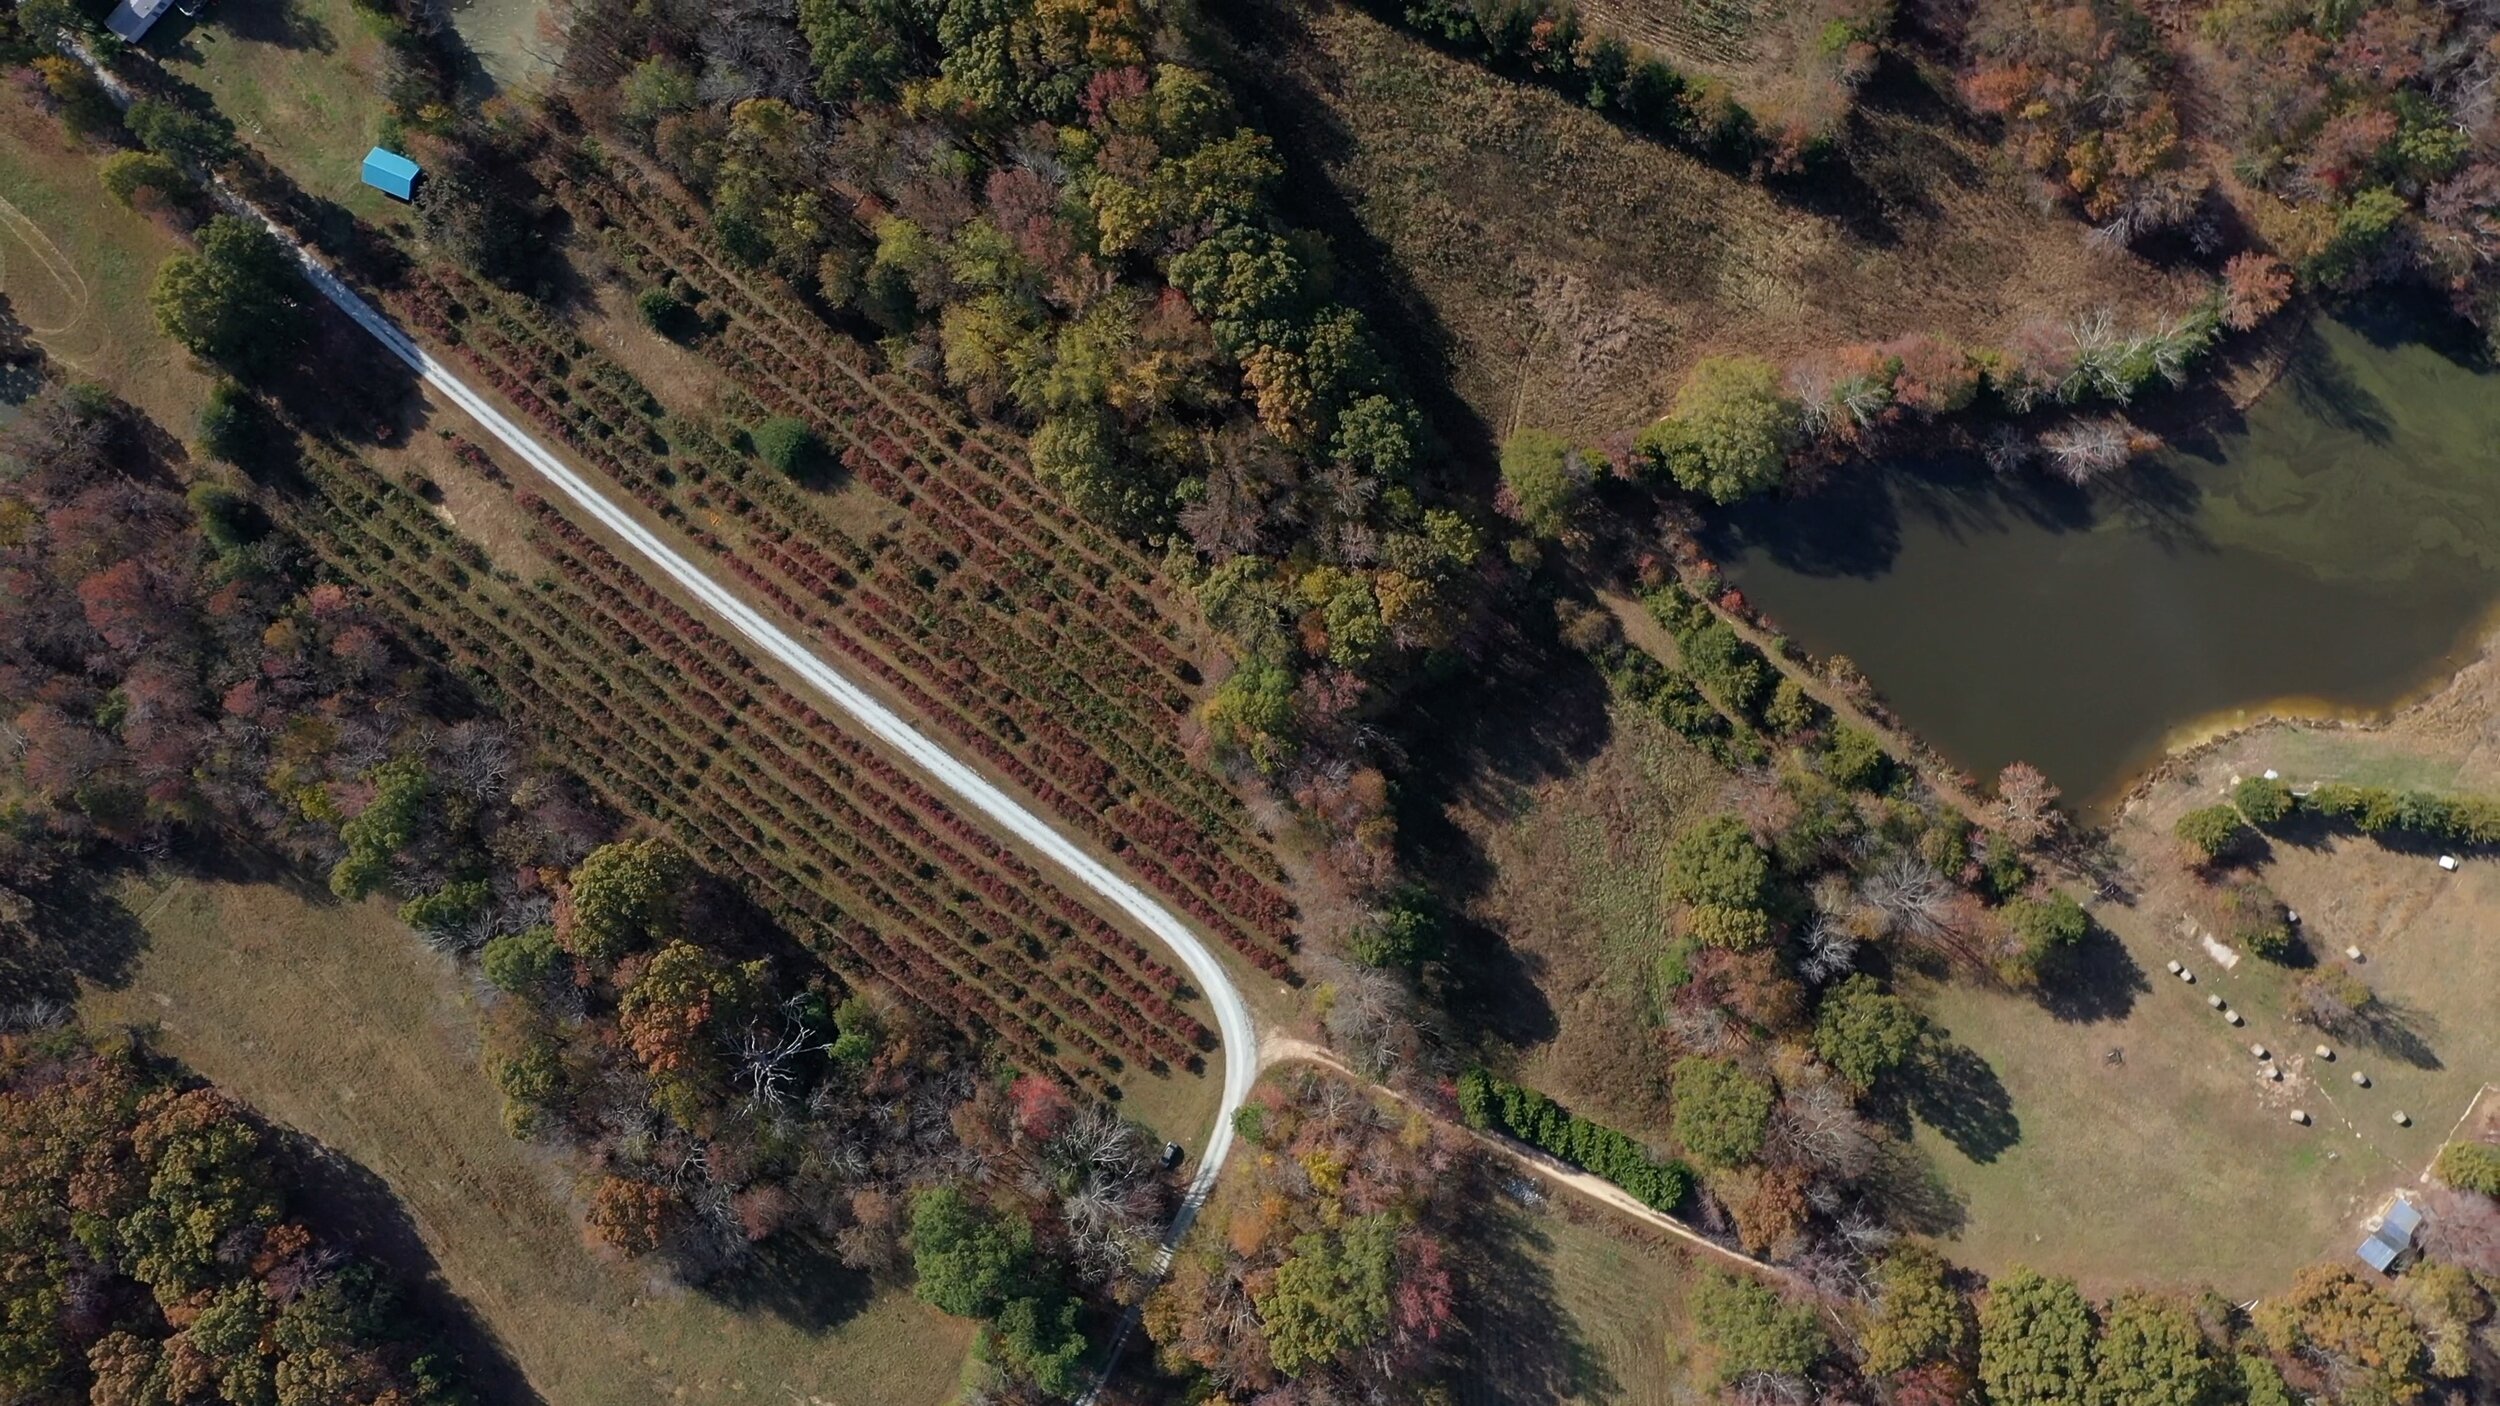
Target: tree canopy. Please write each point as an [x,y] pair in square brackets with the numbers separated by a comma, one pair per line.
[1729,431]
[2035,1342]
[1863,1032]
[1721,1112]
[239,301]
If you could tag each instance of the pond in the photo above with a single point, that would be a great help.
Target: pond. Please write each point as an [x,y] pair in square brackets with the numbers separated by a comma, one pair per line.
[2333,552]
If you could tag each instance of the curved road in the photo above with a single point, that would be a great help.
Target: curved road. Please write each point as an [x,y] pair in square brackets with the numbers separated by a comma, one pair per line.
[1232,1015]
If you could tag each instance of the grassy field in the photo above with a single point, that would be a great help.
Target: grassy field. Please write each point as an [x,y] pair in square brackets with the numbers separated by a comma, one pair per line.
[1568,273]
[337,1023]
[1571,1314]
[302,82]
[76,266]
[1573,863]
[2182,1163]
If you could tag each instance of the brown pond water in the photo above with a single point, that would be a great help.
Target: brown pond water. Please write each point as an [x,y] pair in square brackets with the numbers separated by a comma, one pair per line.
[2336,551]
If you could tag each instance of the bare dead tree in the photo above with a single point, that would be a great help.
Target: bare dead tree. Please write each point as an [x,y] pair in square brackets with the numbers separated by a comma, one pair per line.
[476,757]
[1910,893]
[1831,949]
[2087,449]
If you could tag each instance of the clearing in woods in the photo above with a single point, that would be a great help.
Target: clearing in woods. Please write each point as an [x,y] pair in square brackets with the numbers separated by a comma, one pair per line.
[1566,273]
[338,1023]
[75,268]
[2090,1186]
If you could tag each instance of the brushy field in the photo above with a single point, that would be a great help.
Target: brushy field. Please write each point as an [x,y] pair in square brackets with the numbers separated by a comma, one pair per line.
[1575,866]
[1568,272]
[336,1022]
[76,267]
[1569,1313]
[2182,1164]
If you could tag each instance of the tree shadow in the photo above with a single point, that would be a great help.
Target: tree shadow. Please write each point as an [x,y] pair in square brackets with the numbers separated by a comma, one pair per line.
[2326,388]
[1951,1089]
[1524,1349]
[81,931]
[1537,713]
[1912,1194]
[283,24]
[347,1200]
[2397,1029]
[2095,980]
[796,1280]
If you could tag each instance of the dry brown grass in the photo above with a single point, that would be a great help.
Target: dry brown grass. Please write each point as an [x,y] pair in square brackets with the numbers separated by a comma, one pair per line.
[1577,270]
[75,267]
[1573,1314]
[1576,867]
[339,1024]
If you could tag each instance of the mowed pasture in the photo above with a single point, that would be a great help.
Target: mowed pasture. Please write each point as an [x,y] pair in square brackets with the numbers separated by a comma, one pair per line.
[2182,1165]
[76,266]
[302,81]
[337,1023]
[1569,272]
[1568,1313]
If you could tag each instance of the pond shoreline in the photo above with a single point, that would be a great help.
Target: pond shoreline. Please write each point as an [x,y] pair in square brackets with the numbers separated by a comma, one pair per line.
[2478,675]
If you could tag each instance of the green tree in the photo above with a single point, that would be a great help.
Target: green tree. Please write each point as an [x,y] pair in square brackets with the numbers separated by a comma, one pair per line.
[1718,862]
[663,312]
[2211,833]
[654,89]
[1721,1112]
[523,963]
[1918,1316]
[1403,936]
[1332,1296]
[788,444]
[1039,1341]
[239,301]
[969,1261]
[1856,759]
[2040,929]
[1862,1032]
[2151,1353]
[2471,1166]
[1252,711]
[1729,431]
[2264,800]
[126,173]
[232,425]
[624,897]
[2035,1342]
[194,140]
[386,826]
[1546,477]
[1753,1330]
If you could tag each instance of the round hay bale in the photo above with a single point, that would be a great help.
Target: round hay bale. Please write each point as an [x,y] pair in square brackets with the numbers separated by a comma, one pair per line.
[2360,1080]
[2326,1054]
[2403,1119]
[2174,966]
[2214,1001]
[2258,1050]
[2231,1016]
[2300,1116]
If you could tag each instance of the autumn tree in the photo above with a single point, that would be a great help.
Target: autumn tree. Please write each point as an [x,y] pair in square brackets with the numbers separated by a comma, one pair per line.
[2027,807]
[2365,1337]
[2035,1342]
[2212,833]
[2471,1166]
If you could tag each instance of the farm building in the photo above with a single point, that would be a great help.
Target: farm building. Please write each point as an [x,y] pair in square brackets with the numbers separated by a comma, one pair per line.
[2388,1242]
[131,19]
[391,173]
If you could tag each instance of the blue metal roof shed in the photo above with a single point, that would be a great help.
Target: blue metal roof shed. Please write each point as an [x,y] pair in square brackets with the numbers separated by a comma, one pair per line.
[391,173]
